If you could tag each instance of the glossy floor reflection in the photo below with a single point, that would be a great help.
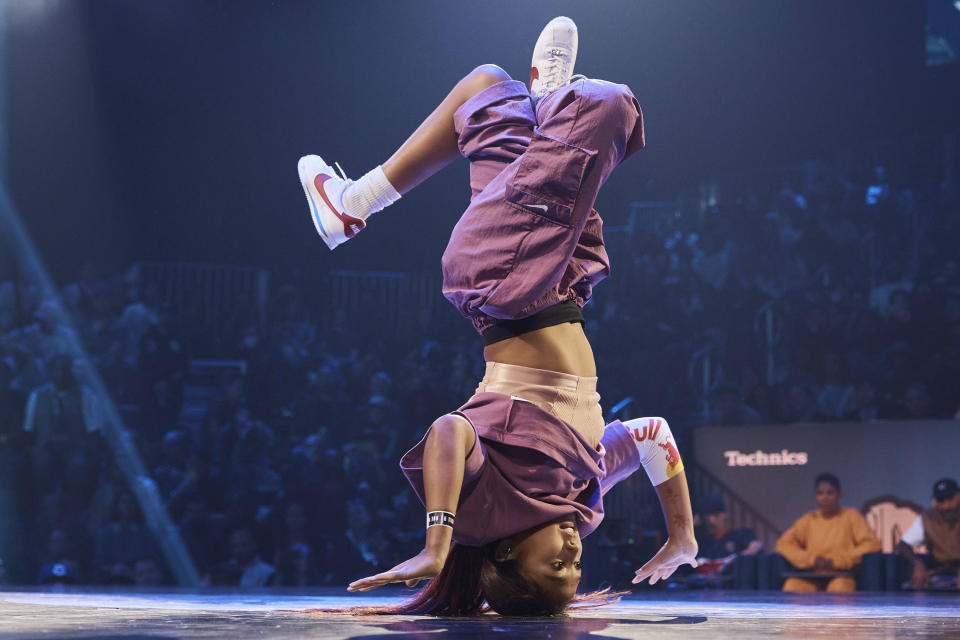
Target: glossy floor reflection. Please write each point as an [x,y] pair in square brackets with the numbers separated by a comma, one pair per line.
[232,614]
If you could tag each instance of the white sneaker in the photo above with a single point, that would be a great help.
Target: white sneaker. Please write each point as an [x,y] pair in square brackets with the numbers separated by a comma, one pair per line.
[324,191]
[553,57]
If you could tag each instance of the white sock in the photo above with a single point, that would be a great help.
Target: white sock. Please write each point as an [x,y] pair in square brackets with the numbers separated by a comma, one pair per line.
[369,194]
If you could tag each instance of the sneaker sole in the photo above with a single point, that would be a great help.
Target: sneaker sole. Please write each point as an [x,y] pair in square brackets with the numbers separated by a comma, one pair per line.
[315,203]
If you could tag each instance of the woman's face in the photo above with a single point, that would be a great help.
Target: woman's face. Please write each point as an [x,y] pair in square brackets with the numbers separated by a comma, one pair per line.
[550,556]
[828,497]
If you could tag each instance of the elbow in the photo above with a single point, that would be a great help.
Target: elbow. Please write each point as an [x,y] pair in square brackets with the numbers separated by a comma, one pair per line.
[781,547]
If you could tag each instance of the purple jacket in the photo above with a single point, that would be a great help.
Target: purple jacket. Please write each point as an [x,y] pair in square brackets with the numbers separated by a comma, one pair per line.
[528,468]
[530,237]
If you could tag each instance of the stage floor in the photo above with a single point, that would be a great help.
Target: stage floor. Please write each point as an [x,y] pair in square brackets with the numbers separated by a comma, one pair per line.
[229,615]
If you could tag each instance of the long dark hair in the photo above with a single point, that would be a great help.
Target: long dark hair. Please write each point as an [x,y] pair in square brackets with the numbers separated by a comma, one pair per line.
[473,581]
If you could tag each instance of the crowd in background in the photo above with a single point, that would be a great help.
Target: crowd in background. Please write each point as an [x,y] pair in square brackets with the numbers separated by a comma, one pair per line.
[861,281]
[835,298]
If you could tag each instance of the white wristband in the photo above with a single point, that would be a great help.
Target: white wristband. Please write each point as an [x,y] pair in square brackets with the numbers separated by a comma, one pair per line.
[440,519]
[658,452]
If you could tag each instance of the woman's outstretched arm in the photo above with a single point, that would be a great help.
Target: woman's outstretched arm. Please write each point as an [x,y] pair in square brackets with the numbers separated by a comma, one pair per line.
[681,546]
[648,443]
[449,442]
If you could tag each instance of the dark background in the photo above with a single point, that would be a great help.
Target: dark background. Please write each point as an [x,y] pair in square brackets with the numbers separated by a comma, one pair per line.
[171,130]
[782,279]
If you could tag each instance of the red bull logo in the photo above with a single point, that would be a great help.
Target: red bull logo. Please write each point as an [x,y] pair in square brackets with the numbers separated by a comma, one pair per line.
[673,456]
[649,430]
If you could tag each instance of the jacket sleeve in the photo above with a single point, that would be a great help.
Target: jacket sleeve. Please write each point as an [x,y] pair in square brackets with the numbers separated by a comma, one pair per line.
[620,458]
[861,541]
[412,466]
[792,545]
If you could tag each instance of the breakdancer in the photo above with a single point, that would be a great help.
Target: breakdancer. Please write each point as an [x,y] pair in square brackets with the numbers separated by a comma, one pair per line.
[514,478]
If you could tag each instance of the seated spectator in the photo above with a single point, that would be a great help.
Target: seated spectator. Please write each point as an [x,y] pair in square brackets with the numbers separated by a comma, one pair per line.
[244,568]
[719,544]
[939,528]
[829,540]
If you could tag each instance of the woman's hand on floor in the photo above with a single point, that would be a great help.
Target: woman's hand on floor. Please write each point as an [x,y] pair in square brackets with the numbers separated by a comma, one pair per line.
[672,555]
[423,566]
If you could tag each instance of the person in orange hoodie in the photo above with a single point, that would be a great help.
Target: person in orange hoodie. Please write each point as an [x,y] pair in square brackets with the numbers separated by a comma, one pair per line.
[829,540]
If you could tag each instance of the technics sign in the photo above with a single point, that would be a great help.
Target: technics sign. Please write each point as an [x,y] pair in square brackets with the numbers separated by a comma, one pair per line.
[772,467]
[782,458]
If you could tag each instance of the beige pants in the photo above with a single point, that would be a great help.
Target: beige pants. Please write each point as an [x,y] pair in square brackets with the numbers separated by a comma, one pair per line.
[839,583]
[568,397]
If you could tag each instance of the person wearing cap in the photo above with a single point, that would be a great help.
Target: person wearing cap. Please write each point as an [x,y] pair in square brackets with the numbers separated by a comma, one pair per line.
[828,541]
[939,528]
[719,544]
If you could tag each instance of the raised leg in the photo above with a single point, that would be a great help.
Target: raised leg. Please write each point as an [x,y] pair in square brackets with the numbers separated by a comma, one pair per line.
[513,246]
[434,143]
[339,207]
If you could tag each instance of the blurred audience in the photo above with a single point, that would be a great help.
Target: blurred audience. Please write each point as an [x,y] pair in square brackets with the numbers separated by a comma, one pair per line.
[295,558]
[60,417]
[244,568]
[122,542]
[795,298]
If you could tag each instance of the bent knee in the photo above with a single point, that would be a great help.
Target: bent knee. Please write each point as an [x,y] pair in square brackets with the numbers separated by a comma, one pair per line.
[486,75]
[605,90]
[611,96]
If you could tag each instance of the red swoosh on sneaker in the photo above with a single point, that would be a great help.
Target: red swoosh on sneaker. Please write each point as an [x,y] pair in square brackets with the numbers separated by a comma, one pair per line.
[534,75]
[349,222]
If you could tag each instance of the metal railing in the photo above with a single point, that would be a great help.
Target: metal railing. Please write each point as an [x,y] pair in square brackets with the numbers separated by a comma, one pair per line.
[393,294]
[741,514]
[216,290]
